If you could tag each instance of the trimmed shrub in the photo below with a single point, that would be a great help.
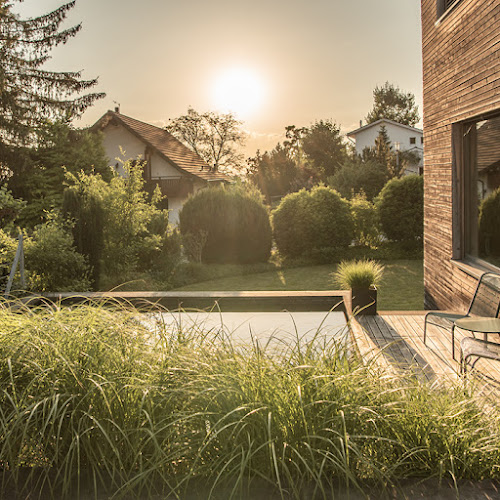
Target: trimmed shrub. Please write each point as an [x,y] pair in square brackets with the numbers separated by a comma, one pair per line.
[400,208]
[309,220]
[232,222]
[489,222]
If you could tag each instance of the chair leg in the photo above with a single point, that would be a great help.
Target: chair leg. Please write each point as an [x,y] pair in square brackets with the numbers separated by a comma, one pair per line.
[453,341]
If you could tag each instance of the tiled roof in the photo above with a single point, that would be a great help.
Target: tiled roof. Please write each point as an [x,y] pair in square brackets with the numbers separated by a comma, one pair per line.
[165,144]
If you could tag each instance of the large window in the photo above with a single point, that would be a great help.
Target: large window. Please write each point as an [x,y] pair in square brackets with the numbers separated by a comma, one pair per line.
[477,190]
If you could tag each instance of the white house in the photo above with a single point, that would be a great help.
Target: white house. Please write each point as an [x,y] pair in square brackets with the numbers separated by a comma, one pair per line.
[171,165]
[402,137]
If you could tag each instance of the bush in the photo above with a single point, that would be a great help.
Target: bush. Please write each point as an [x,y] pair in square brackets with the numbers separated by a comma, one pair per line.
[364,215]
[233,221]
[357,177]
[53,263]
[309,220]
[489,222]
[400,208]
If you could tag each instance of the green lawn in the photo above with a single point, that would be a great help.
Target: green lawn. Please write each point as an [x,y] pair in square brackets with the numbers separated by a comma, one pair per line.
[401,289]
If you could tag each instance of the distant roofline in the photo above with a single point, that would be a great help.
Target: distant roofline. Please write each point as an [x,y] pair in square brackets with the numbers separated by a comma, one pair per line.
[384,120]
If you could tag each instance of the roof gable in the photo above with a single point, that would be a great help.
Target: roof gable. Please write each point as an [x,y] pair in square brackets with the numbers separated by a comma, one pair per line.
[383,121]
[165,144]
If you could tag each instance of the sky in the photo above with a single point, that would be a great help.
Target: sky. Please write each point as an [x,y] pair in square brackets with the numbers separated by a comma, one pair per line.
[272,62]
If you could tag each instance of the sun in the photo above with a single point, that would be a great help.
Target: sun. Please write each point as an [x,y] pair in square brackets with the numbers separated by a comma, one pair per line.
[239,91]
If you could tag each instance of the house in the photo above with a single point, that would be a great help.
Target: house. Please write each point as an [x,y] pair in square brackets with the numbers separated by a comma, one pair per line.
[402,138]
[461,88]
[169,164]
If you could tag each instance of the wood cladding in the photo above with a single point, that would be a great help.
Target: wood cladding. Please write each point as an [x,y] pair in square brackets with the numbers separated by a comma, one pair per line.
[461,81]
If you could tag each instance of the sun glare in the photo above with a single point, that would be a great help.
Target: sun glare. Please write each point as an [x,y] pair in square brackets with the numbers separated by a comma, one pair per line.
[240,91]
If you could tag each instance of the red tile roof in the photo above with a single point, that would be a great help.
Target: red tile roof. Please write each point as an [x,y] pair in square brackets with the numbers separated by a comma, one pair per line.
[165,144]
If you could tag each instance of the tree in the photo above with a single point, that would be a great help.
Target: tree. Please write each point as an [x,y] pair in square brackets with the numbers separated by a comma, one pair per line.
[323,146]
[392,103]
[29,95]
[213,136]
[60,149]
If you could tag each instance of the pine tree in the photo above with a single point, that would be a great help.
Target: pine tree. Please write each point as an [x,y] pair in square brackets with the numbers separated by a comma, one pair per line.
[30,95]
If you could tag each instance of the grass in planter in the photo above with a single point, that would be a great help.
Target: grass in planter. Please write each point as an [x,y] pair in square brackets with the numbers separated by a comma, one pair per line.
[92,402]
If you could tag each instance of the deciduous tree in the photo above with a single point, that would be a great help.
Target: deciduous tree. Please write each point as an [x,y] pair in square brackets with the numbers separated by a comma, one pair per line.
[215,137]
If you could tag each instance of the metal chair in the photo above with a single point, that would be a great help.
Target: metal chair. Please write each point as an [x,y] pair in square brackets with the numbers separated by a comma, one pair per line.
[478,348]
[485,302]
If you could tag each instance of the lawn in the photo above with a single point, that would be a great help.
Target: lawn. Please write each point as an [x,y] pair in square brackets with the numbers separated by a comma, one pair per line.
[402,287]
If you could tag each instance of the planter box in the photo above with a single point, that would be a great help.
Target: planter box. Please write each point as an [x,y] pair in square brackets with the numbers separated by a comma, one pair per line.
[364,301]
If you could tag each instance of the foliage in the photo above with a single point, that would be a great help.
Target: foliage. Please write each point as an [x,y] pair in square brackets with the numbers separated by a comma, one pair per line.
[489,222]
[95,404]
[400,206]
[29,94]
[364,216]
[357,177]
[213,136]
[53,263]
[277,173]
[323,146]
[358,274]
[234,222]
[83,204]
[392,103]
[309,220]
[61,149]
[10,207]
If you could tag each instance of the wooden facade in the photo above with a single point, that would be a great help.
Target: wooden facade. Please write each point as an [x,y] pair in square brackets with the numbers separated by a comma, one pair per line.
[461,81]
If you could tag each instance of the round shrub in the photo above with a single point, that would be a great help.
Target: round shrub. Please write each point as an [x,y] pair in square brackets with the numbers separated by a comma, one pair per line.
[489,222]
[231,225]
[310,220]
[400,208]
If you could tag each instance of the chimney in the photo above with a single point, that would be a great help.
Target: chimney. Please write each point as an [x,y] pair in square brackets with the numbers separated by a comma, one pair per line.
[117,109]
[360,123]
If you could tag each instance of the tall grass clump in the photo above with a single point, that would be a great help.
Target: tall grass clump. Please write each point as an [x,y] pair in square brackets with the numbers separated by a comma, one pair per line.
[98,399]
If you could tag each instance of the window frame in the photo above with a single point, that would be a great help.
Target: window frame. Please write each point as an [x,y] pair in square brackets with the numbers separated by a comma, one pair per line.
[443,7]
[464,192]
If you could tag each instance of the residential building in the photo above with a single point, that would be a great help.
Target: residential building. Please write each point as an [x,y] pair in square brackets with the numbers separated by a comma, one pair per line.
[402,138]
[168,163]
[461,90]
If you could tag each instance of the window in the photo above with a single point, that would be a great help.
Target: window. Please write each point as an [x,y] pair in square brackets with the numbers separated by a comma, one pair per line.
[445,5]
[421,140]
[413,140]
[477,193]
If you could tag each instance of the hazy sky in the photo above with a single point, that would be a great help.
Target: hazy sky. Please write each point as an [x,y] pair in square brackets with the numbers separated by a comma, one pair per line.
[273,62]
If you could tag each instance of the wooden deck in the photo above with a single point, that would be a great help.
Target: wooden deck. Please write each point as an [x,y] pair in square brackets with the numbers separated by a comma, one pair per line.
[394,340]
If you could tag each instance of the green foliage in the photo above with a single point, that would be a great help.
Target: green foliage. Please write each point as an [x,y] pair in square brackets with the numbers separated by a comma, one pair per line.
[355,177]
[323,146]
[358,274]
[10,207]
[364,216]
[29,94]
[83,204]
[53,263]
[391,103]
[400,206]
[489,224]
[234,222]
[310,220]
[93,404]
[61,150]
